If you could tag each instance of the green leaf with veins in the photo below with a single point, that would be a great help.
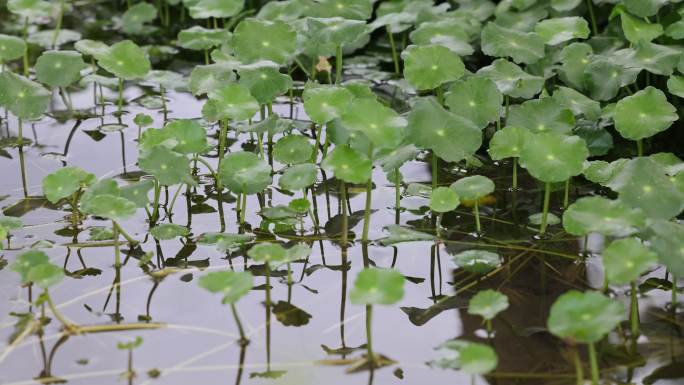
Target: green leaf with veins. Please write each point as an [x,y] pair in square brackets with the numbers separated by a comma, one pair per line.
[473,187]
[348,164]
[508,142]
[138,192]
[575,58]
[109,206]
[45,275]
[470,357]
[66,181]
[264,80]
[167,231]
[512,80]
[644,114]
[11,48]
[204,9]
[477,99]
[450,136]
[27,261]
[168,167]
[348,9]
[207,78]
[24,98]
[552,157]
[298,177]
[245,173]
[559,30]
[134,19]
[428,67]
[382,125]
[447,33]
[522,47]
[578,103]
[584,317]
[487,304]
[604,216]
[231,102]
[199,38]
[667,240]
[625,260]
[59,68]
[125,60]
[444,199]
[293,149]
[542,115]
[255,40]
[636,29]
[326,103]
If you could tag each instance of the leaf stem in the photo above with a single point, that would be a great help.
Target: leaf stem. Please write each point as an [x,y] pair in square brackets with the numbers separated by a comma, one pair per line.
[579,370]
[68,325]
[58,25]
[369,192]
[268,316]
[338,65]
[120,100]
[515,173]
[594,364]
[369,336]
[476,213]
[634,315]
[566,196]
[127,237]
[395,57]
[243,338]
[590,7]
[545,210]
[345,220]
[397,195]
[640,147]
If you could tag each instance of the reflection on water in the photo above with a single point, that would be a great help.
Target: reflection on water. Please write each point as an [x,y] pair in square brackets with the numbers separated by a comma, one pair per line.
[198,339]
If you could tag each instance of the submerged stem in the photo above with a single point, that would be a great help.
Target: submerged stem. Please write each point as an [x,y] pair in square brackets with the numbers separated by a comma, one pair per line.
[515,173]
[243,338]
[369,336]
[268,316]
[395,57]
[345,220]
[579,370]
[566,196]
[476,213]
[640,147]
[367,210]
[120,100]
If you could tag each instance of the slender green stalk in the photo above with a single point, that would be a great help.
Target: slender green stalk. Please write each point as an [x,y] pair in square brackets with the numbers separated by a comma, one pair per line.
[369,336]
[63,320]
[566,196]
[155,204]
[25,58]
[117,249]
[268,316]
[515,173]
[674,293]
[338,65]
[165,110]
[58,25]
[395,57]
[223,132]
[434,170]
[590,7]
[243,210]
[488,325]
[594,364]
[476,213]
[640,147]
[345,220]
[579,369]
[120,100]
[243,338]
[397,194]
[173,200]
[22,165]
[367,210]
[127,237]
[545,210]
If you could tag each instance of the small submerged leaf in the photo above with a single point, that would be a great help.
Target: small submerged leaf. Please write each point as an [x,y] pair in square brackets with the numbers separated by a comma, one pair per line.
[487,304]
[477,261]
[168,231]
[399,234]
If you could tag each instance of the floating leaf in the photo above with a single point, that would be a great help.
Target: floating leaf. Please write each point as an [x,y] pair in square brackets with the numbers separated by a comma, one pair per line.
[522,47]
[383,127]
[626,259]
[11,48]
[27,261]
[477,261]
[24,98]
[559,30]
[444,199]
[299,177]
[65,182]
[134,19]
[374,286]
[199,38]
[553,157]
[447,33]
[168,231]
[231,284]
[125,60]
[399,234]
[584,317]
[644,114]
[473,187]
[487,304]
[348,9]
[428,67]
[450,136]
[255,40]
[512,80]
[225,242]
[168,167]
[542,115]
[45,275]
[348,164]
[31,9]
[245,173]
[204,79]
[667,240]
[601,215]
[476,99]
[324,104]
[293,149]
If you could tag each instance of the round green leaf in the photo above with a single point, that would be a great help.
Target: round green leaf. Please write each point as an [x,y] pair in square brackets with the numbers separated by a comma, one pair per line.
[644,114]
[134,19]
[59,68]
[476,99]
[24,98]
[168,167]
[255,40]
[28,260]
[559,30]
[667,240]
[470,357]
[428,67]
[189,135]
[168,231]
[46,275]
[11,48]
[374,286]
[264,81]
[508,142]
[450,136]
[522,47]
[244,172]
[447,33]
[293,149]
[601,215]
[477,261]
[553,157]
[269,253]
[348,164]
[382,125]
[204,79]
[584,317]
[32,9]
[323,104]
[125,60]
[487,304]
[443,199]
[233,101]
[231,284]
[473,187]
[109,206]
[204,9]
[91,47]
[65,182]
[199,38]
[626,259]
[542,115]
[512,80]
